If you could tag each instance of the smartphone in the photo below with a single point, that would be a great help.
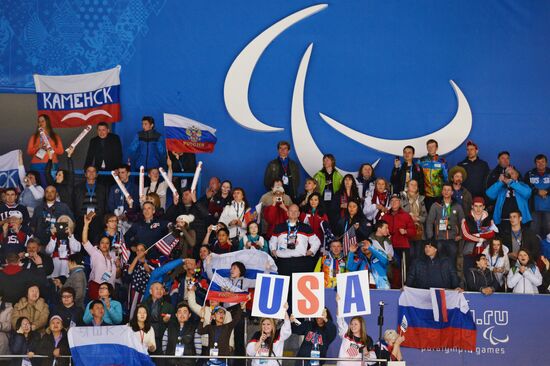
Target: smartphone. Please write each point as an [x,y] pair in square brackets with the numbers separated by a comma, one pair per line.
[60,228]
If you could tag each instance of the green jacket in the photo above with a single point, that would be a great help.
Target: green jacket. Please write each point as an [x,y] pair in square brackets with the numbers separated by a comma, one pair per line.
[336,180]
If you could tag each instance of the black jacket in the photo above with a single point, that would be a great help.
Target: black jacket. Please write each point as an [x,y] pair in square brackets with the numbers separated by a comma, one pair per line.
[399,176]
[529,241]
[197,209]
[312,332]
[110,152]
[437,272]
[186,336]
[46,347]
[275,170]
[477,279]
[82,200]
[14,282]
[65,188]
[73,314]
[478,171]
[19,345]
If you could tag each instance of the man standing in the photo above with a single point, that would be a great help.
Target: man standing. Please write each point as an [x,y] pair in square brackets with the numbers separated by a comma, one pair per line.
[539,180]
[401,174]
[10,205]
[147,148]
[433,271]
[461,195]
[89,196]
[434,168]
[117,202]
[503,164]
[477,170]
[104,150]
[520,237]
[285,169]
[46,214]
[444,222]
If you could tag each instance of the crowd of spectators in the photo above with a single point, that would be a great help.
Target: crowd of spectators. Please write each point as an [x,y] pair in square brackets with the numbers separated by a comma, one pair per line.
[64,239]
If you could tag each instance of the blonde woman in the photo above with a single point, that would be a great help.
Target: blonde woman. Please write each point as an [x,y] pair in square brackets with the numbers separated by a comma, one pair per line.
[61,245]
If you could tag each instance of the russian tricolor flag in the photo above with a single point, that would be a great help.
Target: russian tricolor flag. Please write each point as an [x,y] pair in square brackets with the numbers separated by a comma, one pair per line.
[223,290]
[437,318]
[79,100]
[184,135]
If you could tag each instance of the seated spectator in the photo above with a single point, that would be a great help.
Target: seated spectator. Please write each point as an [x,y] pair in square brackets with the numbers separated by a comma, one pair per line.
[443,224]
[510,195]
[23,340]
[47,213]
[32,307]
[497,255]
[14,280]
[477,229]
[269,341]
[147,148]
[5,326]
[252,239]
[373,257]
[11,206]
[76,279]
[30,260]
[54,344]
[234,215]
[332,263]
[481,278]
[112,309]
[461,195]
[33,193]
[96,312]
[141,326]
[413,203]
[353,217]
[294,244]
[14,236]
[378,204]
[520,237]
[222,244]
[179,337]
[139,272]
[70,313]
[62,245]
[276,213]
[105,267]
[402,174]
[318,334]
[524,277]
[160,312]
[433,271]
[314,215]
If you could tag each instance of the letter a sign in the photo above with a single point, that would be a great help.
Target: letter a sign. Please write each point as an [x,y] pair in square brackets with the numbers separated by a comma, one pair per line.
[353,290]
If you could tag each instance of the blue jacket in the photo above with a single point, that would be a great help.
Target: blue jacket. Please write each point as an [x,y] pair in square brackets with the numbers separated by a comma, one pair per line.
[147,149]
[158,276]
[498,192]
[116,197]
[377,264]
[537,181]
[113,316]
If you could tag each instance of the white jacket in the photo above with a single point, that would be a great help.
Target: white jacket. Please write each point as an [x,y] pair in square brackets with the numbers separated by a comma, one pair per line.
[278,346]
[348,344]
[234,211]
[60,262]
[525,283]
[498,262]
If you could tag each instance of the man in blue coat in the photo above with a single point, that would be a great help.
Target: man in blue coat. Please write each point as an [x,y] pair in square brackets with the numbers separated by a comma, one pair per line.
[147,148]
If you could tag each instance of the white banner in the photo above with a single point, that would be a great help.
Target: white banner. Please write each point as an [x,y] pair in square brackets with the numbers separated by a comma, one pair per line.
[354,293]
[9,170]
[308,294]
[270,296]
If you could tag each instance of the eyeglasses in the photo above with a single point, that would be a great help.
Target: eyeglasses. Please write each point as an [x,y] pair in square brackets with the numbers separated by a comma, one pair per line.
[67,296]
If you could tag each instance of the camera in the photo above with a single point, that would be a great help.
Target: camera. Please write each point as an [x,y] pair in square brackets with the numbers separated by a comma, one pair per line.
[279,199]
[507,175]
[214,227]
[60,228]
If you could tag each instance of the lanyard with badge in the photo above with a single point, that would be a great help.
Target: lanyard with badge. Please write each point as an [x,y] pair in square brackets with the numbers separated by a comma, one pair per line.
[291,236]
[444,222]
[91,195]
[180,347]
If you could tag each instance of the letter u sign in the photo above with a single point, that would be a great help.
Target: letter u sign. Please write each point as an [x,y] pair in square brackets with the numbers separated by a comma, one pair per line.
[270,296]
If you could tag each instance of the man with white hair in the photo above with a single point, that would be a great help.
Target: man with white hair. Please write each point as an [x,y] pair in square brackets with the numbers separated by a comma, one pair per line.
[13,237]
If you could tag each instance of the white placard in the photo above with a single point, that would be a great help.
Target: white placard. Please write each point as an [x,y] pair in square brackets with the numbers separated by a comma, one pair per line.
[308,294]
[270,296]
[354,293]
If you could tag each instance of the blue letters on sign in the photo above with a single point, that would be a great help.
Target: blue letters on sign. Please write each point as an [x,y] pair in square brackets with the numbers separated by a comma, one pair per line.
[354,295]
[264,295]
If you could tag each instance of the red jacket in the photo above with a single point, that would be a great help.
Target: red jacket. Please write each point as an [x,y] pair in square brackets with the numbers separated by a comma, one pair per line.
[273,215]
[400,220]
[315,222]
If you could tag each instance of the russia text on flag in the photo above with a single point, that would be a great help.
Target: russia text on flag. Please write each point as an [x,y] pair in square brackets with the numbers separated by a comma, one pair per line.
[184,135]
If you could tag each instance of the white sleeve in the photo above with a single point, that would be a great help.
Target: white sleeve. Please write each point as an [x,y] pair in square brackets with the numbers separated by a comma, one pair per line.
[286,330]
[74,244]
[535,278]
[315,243]
[225,217]
[513,278]
[37,192]
[50,247]
[342,326]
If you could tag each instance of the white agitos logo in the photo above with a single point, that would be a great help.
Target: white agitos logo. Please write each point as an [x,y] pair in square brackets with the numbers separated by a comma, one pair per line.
[236,101]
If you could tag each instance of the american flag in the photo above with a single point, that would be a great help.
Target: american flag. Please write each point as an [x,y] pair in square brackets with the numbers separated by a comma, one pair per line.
[166,244]
[353,350]
[349,239]
[124,251]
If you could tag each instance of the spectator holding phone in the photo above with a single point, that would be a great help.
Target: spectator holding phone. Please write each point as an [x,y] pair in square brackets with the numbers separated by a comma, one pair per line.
[61,245]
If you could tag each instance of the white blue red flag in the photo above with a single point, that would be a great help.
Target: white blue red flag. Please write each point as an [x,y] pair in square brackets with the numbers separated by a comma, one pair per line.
[11,174]
[79,100]
[455,327]
[223,290]
[111,345]
[184,135]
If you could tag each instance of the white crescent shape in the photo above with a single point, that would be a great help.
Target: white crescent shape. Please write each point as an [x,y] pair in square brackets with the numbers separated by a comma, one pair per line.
[306,149]
[85,117]
[237,80]
[449,137]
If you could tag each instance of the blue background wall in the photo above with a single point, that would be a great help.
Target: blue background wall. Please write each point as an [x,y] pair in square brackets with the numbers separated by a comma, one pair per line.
[381,67]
